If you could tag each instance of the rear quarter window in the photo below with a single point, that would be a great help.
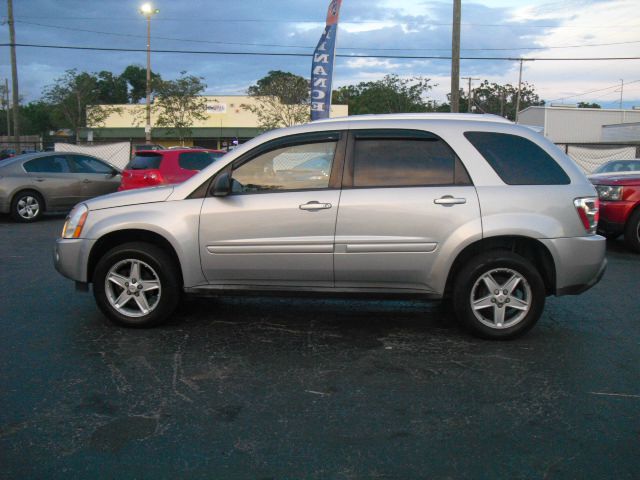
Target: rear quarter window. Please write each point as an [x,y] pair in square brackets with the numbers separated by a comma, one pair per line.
[197,160]
[144,162]
[517,160]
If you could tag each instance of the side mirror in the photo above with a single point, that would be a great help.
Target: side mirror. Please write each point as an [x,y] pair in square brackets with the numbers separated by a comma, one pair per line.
[222,185]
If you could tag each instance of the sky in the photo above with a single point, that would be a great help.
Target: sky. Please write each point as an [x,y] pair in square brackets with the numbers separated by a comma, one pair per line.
[490,28]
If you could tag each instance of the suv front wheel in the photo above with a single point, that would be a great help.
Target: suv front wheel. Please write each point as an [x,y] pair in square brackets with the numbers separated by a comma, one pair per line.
[498,295]
[136,285]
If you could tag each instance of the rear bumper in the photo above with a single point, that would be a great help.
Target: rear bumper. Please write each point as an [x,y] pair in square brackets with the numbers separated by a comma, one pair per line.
[580,262]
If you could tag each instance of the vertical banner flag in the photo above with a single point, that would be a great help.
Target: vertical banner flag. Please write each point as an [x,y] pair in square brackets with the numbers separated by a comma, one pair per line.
[322,66]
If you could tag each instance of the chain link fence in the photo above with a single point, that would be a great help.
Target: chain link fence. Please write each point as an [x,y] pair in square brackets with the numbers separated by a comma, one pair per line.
[590,156]
[116,153]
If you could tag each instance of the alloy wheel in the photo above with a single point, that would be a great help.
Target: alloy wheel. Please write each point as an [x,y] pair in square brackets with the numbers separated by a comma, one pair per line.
[28,207]
[133,288]
[501,298]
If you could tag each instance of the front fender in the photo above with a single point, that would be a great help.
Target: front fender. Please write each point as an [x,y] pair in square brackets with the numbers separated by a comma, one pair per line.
[177,222]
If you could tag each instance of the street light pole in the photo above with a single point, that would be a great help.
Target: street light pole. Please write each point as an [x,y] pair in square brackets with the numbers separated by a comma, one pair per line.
[148,11]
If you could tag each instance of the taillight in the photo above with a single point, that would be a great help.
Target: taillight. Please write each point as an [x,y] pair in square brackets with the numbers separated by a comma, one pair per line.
[153,177]
[588,209]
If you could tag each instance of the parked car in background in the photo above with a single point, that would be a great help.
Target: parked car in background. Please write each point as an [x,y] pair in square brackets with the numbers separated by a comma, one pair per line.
[7,153]
[619,206]
[150,168]
[468,207]
[147,146]
[619,166]
[33,183]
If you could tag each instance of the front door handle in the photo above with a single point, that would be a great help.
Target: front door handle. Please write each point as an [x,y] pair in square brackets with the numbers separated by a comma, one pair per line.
[86,180]
[315,206]
[449,200]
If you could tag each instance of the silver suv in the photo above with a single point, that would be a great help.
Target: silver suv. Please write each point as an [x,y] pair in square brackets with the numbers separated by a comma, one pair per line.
[466,207]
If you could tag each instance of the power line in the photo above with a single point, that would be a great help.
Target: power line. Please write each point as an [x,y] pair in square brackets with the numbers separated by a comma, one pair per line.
[288,54]
[358,22]
[591,91]
[128,35]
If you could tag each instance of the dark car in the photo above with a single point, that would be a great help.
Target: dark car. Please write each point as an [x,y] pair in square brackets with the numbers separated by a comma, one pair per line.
[618,166]
[33,183]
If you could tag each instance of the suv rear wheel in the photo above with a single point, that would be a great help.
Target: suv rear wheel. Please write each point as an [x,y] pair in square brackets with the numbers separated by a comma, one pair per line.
[498,295]
[136,285]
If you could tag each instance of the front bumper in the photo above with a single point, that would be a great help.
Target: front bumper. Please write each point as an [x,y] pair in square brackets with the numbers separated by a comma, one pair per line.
[71,257]
[580,262]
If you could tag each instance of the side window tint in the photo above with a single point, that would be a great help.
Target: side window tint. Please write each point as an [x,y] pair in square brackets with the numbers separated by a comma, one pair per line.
[48,164]
[396,162]
[517,160]
[197,160]
[297,167]
[88,165]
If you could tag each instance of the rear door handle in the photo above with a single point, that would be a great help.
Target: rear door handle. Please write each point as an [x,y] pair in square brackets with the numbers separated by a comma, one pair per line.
[86,180]
[315,206]
[449,200]
[39,179]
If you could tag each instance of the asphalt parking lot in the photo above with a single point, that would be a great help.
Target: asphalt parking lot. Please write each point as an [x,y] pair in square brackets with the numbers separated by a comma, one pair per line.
[311,388]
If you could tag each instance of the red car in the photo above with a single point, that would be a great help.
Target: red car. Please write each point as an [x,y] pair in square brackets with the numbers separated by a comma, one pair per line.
[158,167]
[619,206]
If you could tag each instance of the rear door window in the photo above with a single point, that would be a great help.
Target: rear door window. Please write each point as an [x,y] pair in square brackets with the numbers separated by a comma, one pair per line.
[393,159]
[48,164]
[197,160]
[517,160]
[145,162]
[82,164]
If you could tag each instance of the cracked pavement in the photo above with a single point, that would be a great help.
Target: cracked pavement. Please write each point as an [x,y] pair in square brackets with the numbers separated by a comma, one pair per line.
[266,387]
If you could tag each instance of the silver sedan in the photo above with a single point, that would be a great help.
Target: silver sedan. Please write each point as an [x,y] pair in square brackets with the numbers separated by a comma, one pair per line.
[33,183]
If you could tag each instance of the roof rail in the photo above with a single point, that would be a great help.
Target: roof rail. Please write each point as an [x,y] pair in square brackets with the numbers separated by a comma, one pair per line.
[420,116]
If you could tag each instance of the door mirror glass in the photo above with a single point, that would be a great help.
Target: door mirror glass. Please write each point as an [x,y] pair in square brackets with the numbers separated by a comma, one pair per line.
[222,185]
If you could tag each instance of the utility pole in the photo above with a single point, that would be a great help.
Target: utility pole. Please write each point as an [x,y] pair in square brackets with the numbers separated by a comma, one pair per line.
[6,100]
[14,76]
[519,91]
[455,57]
[469,92]
[621,90]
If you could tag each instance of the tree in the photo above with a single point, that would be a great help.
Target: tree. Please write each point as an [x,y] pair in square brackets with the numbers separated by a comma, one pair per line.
[36,118]
[588,105]
[136,78]
[111,88]
[501,99]
[70,95]
[282,99]
[392,94]
[179,104]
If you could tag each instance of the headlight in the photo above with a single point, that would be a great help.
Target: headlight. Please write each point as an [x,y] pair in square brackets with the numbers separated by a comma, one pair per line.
[607,192]
[75,221]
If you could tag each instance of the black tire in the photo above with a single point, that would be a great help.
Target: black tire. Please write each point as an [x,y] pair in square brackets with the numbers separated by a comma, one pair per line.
[609,235]
[154,264]
[632,231]
[504,266]
[27,206]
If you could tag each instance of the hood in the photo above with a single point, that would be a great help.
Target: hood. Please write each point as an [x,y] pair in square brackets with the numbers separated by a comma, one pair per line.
[631,178]
[130,197]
